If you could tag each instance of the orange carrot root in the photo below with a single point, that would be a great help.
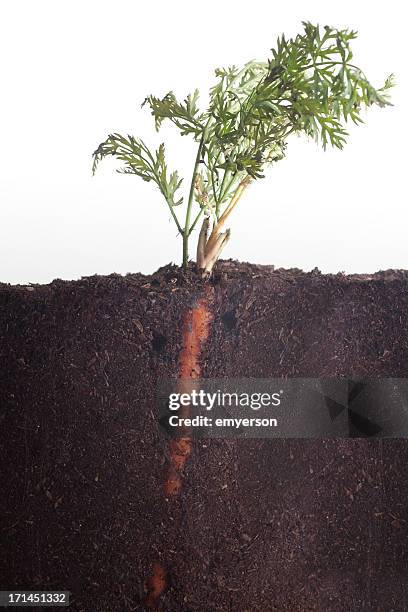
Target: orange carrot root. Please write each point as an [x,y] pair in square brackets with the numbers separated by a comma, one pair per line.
[155,586]
[196,325]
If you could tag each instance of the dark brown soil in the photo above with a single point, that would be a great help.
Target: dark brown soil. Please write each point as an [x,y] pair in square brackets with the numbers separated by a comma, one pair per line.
[260,525]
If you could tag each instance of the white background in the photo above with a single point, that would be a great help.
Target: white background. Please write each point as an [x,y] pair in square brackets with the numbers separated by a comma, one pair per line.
[74,71]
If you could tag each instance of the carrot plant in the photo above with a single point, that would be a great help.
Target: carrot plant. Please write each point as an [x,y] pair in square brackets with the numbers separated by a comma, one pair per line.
[309,85]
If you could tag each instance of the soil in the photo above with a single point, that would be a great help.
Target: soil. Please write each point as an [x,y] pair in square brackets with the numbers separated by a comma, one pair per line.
[259,525]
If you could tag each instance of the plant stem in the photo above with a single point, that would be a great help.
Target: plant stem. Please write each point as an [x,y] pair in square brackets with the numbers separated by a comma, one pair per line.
[186,231]
[220,196]
[195,221]
[185,251]
[227,187]
[173,214]
[231,205]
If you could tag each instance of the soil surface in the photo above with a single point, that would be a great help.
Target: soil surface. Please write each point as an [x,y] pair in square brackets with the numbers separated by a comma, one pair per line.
[260,525]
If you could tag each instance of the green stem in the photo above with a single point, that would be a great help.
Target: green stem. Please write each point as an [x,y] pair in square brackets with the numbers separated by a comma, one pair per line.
[195,221]
[185,251]
[220,196]
[186,231]
[173,214]
[230,182]
[213,188]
